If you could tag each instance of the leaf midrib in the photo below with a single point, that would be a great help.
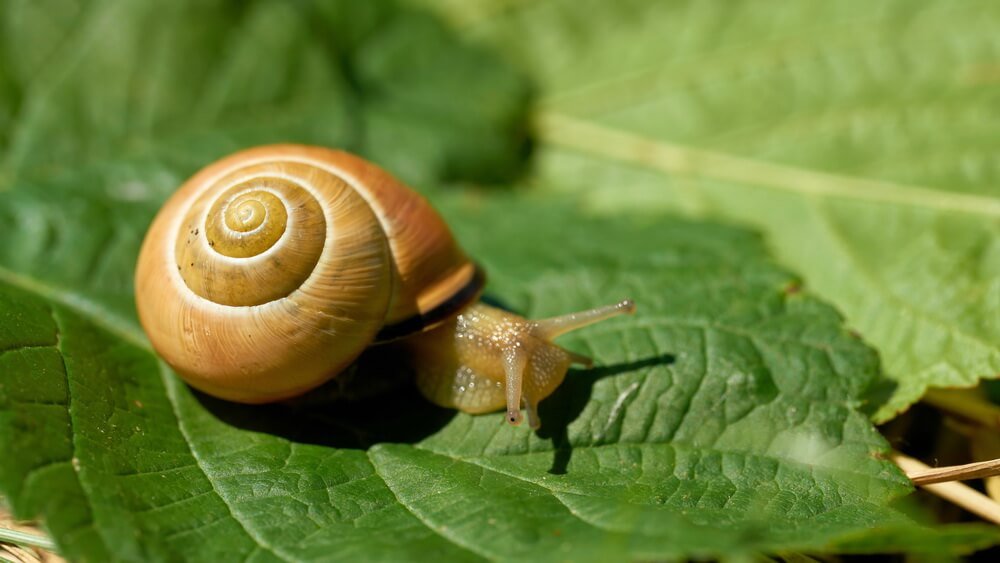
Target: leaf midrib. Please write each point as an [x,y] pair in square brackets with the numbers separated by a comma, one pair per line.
[558,494]
[479,460]
[443,534]
[82,306]
[251,533]
[564,131]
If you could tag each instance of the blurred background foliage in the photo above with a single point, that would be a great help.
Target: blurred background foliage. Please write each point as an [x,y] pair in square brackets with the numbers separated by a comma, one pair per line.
[86,82]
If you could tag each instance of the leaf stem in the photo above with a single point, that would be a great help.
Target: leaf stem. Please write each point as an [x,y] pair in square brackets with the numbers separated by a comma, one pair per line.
[954,492]
[25,539]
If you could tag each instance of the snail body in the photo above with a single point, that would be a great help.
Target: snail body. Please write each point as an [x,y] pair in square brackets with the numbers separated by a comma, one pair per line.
[486,359]
[271,270]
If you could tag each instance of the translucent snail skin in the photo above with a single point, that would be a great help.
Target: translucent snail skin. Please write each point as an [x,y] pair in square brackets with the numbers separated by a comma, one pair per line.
[486,359]
[271,270]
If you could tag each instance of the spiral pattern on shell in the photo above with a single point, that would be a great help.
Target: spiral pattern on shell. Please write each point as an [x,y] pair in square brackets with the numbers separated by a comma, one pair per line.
[259,241]
[270,270]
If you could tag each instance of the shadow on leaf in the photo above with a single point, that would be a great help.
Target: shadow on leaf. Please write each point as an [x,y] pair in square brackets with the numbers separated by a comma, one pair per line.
[568,402]
[373,401]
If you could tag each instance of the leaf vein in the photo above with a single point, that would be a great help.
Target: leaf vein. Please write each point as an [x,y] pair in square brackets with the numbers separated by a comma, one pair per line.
[252,535]
[420,518]
[614,144]
[22,347]
[71,418]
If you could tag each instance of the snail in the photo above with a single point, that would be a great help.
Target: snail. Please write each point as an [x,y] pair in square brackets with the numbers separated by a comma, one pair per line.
[271,270]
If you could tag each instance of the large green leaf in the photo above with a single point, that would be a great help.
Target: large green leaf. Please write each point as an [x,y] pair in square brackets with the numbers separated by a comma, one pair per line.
[727,418]
[722,420]
[860,136]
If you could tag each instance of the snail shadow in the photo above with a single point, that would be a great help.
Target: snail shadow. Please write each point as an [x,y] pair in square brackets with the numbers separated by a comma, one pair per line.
[350,412]
[567,403]
[374,400]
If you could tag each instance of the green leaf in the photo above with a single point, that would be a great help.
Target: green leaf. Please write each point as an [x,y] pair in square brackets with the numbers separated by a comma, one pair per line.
[726,419]
[722,420]
[859,136]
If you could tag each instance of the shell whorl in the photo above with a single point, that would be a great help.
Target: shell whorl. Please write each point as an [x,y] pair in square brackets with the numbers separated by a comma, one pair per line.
[272,269]
[254,242]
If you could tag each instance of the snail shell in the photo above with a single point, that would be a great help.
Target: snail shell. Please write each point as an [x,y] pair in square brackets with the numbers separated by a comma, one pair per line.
[271,270]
